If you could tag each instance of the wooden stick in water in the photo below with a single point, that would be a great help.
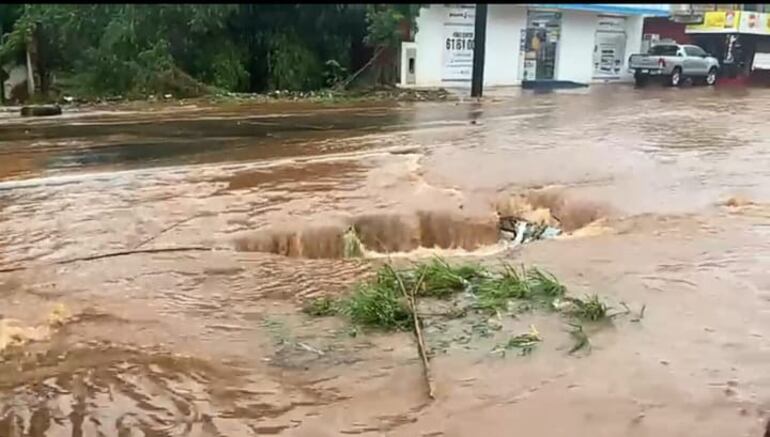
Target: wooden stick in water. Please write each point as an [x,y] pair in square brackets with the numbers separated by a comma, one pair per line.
[410,297]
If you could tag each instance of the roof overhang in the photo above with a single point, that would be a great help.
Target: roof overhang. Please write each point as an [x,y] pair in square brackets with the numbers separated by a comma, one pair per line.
[657,10]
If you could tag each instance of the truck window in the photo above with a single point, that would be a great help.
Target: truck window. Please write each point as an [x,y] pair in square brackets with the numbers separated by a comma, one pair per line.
[663,50]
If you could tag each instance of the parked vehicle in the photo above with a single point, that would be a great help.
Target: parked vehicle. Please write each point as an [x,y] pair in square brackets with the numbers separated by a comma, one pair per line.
[674,63]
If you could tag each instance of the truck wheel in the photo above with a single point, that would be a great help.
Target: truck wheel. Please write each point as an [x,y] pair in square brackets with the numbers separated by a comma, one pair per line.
[640,79]
[711,77]
[676,77]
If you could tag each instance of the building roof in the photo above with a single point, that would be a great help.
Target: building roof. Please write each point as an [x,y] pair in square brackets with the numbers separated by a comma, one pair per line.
[654,9]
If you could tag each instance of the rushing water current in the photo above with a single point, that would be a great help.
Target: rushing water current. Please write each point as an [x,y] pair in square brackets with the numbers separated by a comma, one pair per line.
[664,195]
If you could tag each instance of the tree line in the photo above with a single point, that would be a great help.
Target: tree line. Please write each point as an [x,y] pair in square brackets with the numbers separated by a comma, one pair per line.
[124,49]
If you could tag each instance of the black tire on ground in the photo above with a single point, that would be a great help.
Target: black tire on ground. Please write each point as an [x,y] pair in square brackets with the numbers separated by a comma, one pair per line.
[676,77]
[711,77]
[40,110]
[641,79]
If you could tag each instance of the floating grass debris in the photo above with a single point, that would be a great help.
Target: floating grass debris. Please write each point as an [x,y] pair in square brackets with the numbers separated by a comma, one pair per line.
[637,317]
[525,343]
[589,309]
[580,339]
[321,307]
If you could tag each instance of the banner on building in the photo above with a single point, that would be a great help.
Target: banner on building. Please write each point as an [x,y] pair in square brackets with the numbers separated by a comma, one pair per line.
[717,22]
[754,23]
[459,25]
[732,22]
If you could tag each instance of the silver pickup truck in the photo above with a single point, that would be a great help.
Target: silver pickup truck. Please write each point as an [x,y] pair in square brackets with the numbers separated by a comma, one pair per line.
[674,63]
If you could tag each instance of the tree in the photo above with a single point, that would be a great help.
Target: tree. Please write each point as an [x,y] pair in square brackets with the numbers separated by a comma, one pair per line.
[387,26]
[139,49]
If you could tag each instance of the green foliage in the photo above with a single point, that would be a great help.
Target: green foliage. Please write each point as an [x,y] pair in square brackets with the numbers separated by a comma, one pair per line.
[441,279]
[142,48]
[590,309]
[533,286]
[321,307]
[495,293]
[292,64]
[227,69]
[379,304]
[384,23]
[545,284]
[334,73]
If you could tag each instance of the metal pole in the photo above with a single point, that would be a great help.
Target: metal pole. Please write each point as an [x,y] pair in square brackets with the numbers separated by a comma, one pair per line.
[479,45]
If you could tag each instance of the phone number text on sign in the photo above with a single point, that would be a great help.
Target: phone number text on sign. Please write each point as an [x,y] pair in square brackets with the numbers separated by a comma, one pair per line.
[458,43]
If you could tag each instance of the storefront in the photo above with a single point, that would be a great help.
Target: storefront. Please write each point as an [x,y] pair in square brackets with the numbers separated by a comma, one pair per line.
[610,47]
[740,40]
[540,44]
[580,43]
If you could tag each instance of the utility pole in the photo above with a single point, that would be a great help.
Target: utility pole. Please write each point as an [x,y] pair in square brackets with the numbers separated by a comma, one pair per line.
[479,45]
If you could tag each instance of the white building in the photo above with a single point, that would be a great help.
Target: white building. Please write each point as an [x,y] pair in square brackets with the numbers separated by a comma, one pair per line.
[581,43]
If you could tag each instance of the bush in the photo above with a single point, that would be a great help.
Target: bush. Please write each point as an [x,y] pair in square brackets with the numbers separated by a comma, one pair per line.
[291,65]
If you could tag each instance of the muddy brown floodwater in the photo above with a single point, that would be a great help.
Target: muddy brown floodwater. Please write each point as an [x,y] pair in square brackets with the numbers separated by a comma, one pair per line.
[665,192]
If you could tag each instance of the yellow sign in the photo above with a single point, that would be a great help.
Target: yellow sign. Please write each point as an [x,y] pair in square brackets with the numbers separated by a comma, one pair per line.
[717,22]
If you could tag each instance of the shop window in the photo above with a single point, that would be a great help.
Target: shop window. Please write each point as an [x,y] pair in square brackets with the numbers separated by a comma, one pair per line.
[664,50]
[540,45]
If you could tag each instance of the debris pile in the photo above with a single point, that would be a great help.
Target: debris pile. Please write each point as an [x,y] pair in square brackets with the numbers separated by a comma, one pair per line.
[519,231]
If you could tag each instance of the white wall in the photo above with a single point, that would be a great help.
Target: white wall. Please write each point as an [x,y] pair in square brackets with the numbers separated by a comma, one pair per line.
[576,46]
[634,26]
[505,22]
[17,74]
[501,59]
[430,42]
[404,65]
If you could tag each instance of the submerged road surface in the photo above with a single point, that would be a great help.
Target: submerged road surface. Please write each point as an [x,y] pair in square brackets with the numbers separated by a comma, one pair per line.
[665,194]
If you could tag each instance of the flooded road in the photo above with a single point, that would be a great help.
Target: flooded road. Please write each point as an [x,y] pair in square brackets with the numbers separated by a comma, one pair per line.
[665,192]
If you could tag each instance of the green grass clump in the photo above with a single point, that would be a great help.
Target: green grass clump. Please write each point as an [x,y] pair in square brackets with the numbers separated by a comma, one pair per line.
[535,286]
[320,307]
[545,285]
[494,293]
[589,309]
[378,305]
[440,279]
[380,302]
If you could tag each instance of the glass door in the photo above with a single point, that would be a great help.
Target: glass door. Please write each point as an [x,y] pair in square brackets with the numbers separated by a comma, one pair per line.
[541,42]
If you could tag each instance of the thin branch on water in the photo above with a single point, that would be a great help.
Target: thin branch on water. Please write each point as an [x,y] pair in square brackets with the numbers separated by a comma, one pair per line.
[166,229]
[352,77]
[116,254]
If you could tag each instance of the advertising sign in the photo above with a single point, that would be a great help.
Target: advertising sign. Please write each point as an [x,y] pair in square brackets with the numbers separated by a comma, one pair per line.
[458,43]
[754,23]
[717,22]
